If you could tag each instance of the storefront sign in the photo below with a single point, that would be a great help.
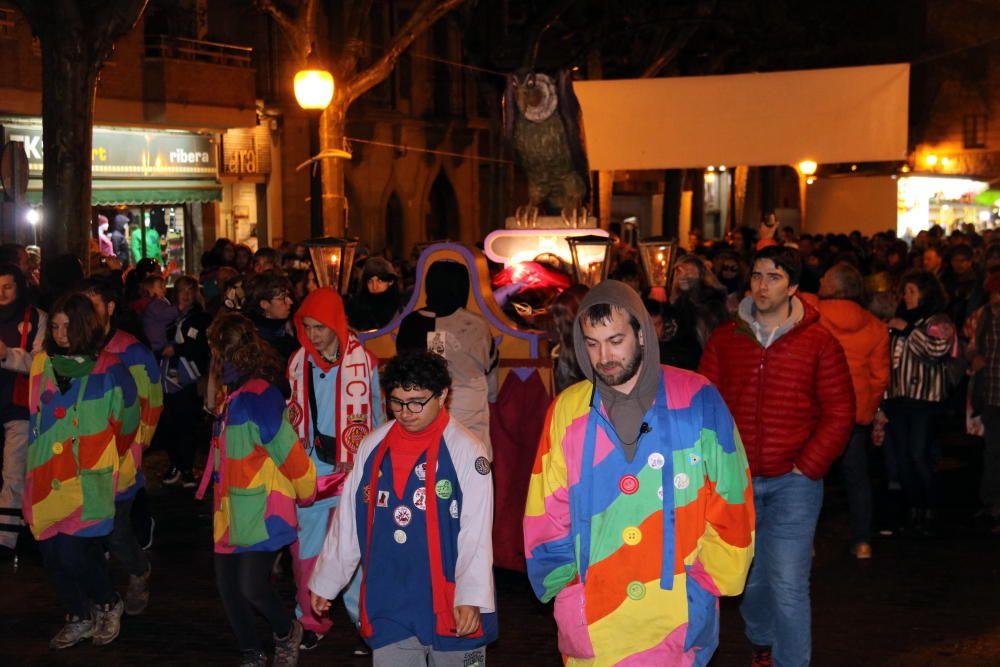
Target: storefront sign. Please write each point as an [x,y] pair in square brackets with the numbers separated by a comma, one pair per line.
[130,153]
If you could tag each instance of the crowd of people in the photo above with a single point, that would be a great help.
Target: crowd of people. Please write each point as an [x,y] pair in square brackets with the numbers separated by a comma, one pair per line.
[687,443]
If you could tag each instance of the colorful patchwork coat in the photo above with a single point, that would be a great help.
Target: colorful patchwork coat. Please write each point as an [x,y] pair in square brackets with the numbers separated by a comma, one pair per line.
[76,442]
[637,553]
[141,364]
[260,472]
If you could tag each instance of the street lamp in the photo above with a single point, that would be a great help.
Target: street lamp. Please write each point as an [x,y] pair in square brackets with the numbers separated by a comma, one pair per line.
[314,91]
[590,258]
[657,253]
[332,259]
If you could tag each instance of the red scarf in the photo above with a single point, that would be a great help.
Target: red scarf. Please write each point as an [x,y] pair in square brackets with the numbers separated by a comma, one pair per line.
[429,440]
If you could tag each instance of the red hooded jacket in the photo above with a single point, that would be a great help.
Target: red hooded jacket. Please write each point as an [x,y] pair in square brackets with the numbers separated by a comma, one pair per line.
[793,402]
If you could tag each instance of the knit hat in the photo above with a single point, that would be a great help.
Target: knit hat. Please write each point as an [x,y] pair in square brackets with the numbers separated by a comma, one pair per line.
[379,267]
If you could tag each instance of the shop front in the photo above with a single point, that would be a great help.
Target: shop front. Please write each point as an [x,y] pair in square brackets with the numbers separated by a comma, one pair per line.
[948,201]
[154,188]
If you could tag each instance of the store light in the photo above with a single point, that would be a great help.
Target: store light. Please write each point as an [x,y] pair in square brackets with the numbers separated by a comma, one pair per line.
[905,169]
[711,168]
[946,162]
[810,180]
[33,216]
[710,177]
[722,167]
[931,160]
[808,167]
[854,167]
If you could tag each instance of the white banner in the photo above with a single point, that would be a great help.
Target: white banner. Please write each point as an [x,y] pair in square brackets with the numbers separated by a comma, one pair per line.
[850,114]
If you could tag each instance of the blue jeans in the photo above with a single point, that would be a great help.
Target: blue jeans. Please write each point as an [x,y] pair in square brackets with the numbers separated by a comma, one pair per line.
[775,604]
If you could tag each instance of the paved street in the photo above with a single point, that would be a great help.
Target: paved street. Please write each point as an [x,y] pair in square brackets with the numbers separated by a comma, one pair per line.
[928,602]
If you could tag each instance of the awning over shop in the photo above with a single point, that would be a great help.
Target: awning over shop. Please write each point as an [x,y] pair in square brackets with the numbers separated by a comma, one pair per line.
[137,192]
[850,114]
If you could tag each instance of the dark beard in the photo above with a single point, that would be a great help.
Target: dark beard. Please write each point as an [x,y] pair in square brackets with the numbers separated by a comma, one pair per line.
[622,376]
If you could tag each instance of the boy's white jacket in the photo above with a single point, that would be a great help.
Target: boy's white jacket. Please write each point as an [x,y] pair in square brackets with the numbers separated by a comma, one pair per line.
[341,552]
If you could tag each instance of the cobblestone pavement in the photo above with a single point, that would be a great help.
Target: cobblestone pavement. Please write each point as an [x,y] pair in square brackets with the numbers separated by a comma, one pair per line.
[917,602]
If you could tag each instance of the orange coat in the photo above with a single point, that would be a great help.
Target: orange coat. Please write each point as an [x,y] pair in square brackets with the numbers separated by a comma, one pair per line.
[865,340]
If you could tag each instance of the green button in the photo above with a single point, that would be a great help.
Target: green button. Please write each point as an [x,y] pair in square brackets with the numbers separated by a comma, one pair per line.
[636,590]
[443,489]
[56,484]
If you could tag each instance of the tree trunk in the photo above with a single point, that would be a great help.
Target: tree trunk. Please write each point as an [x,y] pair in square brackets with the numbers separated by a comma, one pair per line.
[68,88]
[331,135]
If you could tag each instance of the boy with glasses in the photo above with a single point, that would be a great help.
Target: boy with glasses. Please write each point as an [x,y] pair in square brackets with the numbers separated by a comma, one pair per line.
[417,509]
[269,306]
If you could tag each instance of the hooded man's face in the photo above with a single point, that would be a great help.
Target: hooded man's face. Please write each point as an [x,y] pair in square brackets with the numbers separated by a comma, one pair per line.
[614,349]
[323,338]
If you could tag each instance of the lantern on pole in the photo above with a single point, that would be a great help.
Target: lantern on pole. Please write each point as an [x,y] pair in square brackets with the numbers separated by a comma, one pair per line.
[657,253]
[332,260]
[591,255]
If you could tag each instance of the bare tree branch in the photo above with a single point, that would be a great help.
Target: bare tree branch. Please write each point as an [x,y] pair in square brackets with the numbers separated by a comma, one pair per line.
[300,37]
[124,14]
[424,16]
[666,57]
[361,10]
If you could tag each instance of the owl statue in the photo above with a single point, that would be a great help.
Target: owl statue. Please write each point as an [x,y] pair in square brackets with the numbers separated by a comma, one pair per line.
[543,124]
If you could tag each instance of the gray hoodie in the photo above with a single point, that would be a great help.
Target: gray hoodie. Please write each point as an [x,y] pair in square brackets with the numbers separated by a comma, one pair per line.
[625,411]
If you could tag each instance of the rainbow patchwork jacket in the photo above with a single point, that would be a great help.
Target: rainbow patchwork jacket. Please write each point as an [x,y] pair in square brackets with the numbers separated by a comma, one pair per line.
[141,364]
[260,470]
[76,443]
[637,553]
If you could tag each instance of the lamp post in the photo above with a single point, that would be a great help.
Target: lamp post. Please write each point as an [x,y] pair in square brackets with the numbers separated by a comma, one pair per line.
[314,91]
[590,255]
[332,259]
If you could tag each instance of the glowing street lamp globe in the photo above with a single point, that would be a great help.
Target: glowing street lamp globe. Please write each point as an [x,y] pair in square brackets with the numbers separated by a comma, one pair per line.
[313,88]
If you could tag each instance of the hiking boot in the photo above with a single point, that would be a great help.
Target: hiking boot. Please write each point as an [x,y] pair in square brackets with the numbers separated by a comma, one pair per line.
[75,631]
[761,657]
[286,651]
[310,640]
[137,593]
[107,621]
[862,551]
[253,659]
[172,477]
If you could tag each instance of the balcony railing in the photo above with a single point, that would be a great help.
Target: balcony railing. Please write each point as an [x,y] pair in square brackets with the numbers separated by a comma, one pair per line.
[182,48]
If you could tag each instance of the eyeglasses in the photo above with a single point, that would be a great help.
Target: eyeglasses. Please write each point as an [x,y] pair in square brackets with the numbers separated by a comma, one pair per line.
[282,296]
[413,407]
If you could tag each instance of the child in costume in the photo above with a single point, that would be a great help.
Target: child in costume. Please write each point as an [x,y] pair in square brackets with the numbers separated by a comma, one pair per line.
[417,513]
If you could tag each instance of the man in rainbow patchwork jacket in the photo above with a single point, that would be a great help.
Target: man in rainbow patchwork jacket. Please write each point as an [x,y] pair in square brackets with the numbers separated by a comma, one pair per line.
[640,510]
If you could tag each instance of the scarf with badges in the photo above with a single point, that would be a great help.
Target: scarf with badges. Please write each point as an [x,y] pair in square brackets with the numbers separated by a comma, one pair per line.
[353,409]
[442,590]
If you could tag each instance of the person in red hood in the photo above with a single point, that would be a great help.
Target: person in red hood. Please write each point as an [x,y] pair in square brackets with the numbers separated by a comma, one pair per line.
[335,402]
[865,340]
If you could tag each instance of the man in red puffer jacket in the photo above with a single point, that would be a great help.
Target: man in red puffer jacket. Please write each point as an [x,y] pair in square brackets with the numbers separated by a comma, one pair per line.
[786,381]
